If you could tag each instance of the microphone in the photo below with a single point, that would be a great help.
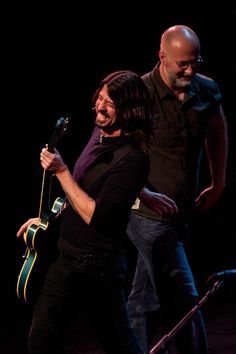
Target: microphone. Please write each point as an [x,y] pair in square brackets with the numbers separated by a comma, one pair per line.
[228,273]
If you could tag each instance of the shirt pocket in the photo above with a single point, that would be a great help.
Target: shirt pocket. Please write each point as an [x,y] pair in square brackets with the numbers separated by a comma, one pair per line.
[169,134]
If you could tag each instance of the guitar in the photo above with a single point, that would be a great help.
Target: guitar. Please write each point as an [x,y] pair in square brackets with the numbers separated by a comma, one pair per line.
[31,274]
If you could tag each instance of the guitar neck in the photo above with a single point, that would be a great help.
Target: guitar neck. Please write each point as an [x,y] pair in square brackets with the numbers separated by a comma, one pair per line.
[46,192]
[45,196]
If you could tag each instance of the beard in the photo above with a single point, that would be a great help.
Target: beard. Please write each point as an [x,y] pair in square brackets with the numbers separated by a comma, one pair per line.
[179,82]
[182,82]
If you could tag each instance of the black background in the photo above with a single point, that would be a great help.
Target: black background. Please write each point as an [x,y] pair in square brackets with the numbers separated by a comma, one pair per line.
[53,59]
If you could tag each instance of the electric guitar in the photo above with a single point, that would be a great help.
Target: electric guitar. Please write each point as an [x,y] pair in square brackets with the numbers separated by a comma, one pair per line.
[35,263]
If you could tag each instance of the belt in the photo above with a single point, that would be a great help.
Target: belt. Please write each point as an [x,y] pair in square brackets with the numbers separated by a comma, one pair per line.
[87,258]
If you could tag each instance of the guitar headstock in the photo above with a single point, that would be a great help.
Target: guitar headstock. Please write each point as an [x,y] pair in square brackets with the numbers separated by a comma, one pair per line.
[59,130]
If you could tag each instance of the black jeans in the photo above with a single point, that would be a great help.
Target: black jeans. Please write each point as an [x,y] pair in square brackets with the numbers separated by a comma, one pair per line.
[89,288]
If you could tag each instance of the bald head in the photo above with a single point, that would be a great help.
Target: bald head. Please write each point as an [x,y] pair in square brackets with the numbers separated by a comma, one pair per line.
[180,39]
[180,57]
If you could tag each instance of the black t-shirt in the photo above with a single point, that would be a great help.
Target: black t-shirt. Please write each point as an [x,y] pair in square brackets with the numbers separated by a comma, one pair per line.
[114,189]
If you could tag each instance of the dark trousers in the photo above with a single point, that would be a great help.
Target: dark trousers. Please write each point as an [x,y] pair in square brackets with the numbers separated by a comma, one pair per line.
[163,281]
[90,289]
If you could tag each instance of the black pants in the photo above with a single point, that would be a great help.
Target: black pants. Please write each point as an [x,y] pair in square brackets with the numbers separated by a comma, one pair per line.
[87,288]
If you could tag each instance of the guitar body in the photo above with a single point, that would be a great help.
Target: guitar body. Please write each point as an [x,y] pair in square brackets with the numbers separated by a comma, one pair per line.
[40,243]
[40,247]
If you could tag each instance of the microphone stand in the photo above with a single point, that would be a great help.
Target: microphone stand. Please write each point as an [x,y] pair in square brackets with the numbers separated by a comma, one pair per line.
[167,337]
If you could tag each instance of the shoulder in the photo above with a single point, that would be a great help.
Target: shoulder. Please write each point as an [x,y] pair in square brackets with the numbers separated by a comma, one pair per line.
[147,79]
[206,82]
[207,86]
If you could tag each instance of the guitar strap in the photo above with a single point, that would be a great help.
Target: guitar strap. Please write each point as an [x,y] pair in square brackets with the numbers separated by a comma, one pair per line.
[102,167]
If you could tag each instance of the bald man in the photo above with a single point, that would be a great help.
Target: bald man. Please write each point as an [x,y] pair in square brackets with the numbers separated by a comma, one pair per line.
[188,118]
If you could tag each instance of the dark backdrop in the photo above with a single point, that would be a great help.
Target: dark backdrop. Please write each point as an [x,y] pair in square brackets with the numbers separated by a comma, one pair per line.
[53,60]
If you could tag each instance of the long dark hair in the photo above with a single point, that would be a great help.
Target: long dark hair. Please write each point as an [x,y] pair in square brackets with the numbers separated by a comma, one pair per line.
[132,102]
